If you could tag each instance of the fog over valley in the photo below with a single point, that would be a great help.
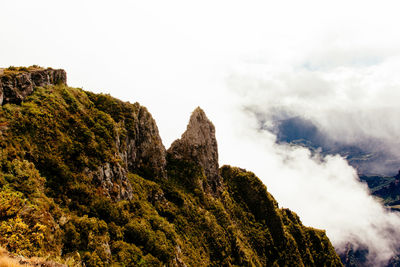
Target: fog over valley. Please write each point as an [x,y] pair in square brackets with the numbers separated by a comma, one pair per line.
[305,94]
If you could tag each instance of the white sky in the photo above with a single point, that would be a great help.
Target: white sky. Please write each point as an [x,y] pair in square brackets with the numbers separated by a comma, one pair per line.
[313,58]
[180,52]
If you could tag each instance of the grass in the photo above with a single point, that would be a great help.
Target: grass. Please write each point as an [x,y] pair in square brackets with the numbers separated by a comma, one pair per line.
[6,260]
[10,260]
[12,71]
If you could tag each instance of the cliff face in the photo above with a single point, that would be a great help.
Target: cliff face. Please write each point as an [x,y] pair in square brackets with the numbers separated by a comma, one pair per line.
[85,178]
[18,83]
[138,146]
[150,156]
[142,153]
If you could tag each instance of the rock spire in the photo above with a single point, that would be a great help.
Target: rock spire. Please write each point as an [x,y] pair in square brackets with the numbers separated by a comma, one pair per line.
[199,145]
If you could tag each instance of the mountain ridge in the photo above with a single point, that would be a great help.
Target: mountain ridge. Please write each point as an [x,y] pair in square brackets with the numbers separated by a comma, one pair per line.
[86,180]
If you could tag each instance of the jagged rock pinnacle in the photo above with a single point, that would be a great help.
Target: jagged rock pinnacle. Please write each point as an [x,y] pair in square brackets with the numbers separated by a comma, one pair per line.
[199,145]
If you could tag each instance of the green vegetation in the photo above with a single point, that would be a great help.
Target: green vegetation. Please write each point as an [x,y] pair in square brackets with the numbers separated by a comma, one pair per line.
[53,205]
[13,71]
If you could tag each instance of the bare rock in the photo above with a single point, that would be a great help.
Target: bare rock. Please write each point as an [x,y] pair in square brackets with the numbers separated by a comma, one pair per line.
[150,153]
[178,261]
[113,181]
[48,77]
[144,153]
[199,145]
[15,87]
[1,93]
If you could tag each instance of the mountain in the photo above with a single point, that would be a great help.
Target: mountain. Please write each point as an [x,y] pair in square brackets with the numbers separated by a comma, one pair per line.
[369,157]
[86,180]
[386,188]
[384,185]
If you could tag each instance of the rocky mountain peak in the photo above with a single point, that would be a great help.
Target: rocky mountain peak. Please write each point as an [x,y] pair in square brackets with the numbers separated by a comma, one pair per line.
[199,145]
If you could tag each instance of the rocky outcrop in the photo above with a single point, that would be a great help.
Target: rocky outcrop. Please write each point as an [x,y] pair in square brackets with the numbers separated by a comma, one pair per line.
[144,152]
[113,181]
[199,145]
[15,86]
[150,152]
[137,146]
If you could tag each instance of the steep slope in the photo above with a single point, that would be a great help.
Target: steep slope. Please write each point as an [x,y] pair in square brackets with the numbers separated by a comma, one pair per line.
[85,179]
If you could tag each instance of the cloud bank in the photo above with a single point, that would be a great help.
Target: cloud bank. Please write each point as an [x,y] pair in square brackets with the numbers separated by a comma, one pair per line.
[324,191]
[334,64]
[352,98]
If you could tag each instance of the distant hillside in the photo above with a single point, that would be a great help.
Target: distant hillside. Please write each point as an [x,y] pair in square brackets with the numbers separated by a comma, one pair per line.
[368,159]
[386,188]
[375,168]
[86,180]
[383,185]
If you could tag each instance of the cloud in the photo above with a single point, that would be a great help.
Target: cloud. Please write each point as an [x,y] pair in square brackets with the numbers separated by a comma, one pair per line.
[334,64]
[350,104]
[324,191]
[353,99]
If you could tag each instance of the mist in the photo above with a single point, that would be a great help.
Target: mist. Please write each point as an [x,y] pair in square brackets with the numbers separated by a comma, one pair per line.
[349,104]
[248,64]
[325,191]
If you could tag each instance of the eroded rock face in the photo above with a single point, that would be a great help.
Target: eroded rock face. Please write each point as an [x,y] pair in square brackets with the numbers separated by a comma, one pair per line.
[150,153]
[199,145]
[139,150]
[113,181]
[15,88]
[144,153]
[1,93]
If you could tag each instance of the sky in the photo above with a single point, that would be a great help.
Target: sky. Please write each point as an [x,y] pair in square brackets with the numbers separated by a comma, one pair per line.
[334,63]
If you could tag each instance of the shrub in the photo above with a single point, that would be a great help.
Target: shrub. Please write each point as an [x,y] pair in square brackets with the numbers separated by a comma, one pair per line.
[20,238]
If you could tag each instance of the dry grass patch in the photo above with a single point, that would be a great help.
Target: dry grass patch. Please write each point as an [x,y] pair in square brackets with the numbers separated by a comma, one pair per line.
[6,260]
